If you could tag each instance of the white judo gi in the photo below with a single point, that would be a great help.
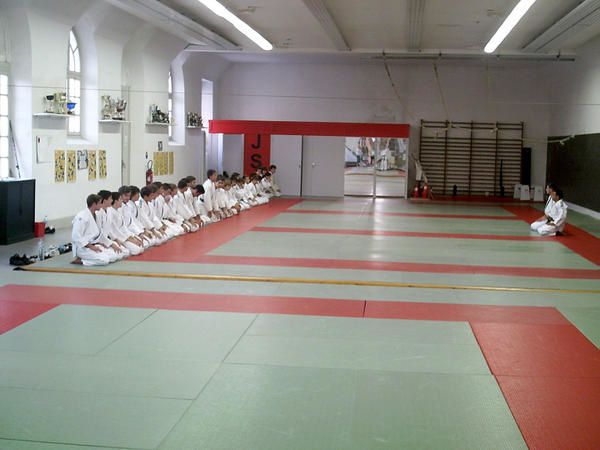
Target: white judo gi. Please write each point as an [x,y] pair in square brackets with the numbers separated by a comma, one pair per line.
[116,228]
[86,232]
[102,222]
[209,195]
[538,223]
[558,214]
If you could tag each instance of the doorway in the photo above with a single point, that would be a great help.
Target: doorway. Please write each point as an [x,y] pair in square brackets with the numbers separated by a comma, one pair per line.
[375,167]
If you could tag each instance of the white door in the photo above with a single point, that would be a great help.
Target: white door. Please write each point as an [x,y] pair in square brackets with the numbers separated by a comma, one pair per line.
[286,154]
[323,166]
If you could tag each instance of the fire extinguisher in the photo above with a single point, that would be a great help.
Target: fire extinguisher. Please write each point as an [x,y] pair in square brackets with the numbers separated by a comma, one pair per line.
[416,191]
[149,173]
[425,193]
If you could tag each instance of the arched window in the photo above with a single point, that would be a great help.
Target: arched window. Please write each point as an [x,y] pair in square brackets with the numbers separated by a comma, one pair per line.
[170,104]
[74,86]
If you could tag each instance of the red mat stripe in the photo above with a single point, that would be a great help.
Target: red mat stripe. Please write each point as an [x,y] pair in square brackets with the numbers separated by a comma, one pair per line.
[187,248]
[53,295]
[394,214]
[495,237]
[575,239]
[181,301]
[464,313]
[584,274]
[15,313]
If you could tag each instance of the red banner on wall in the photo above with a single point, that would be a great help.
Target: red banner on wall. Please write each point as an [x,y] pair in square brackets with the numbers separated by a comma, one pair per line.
[257,152]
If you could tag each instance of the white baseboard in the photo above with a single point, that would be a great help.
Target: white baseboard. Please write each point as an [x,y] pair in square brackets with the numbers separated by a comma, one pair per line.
[582,210]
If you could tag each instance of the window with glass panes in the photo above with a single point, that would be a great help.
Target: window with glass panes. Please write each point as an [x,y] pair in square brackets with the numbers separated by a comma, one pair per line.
[4,128]
[170,104]
[74,86]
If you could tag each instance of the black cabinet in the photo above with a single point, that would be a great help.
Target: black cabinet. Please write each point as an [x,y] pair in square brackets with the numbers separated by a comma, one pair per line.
[17,210]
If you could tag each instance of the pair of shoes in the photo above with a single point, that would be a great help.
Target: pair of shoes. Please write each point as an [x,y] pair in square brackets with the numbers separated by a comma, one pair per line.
[20,260]
[65,248]
[50,230]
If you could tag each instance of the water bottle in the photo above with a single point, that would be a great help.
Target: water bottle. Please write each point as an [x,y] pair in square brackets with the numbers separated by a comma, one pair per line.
[41,250]
[45,222]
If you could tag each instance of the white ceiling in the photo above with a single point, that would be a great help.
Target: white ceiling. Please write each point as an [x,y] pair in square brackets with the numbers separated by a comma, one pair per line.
[370,26]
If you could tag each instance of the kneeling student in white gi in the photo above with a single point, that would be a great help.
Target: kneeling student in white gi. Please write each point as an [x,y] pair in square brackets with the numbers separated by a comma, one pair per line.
[118,231]
[87,249]
[549,204]
[557,216]
[147,217]
[276,189]
[102,222]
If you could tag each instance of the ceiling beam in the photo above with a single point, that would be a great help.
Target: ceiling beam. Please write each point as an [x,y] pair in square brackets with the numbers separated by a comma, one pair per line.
[169,20]
[582,16]
[416,11]
[324,17]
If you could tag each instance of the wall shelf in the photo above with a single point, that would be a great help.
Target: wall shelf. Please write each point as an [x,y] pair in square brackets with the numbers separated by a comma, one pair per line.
[113,121]
[53,115]
[157,124]
[192,128]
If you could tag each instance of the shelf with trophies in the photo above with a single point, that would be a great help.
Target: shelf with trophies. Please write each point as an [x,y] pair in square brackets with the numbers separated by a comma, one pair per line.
[156,117]
[57,106]
[113,110]
[194,120]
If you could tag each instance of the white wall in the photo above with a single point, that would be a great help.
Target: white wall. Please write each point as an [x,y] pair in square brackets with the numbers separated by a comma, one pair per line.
[574,93]
[118,51]
[501,91]
[233,153]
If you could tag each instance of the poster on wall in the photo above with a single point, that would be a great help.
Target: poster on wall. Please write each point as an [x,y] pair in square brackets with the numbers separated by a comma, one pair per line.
[92,165]
[156,163]
[102,164]
[71,166]
[82,159]
[59,166]
[171,163]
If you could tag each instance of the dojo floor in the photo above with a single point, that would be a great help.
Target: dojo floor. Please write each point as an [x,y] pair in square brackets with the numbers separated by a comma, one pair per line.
[342,324]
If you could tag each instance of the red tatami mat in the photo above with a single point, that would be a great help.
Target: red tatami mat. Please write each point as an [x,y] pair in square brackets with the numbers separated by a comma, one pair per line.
[15,313]
[575,239]
[182,301]
[535,272]
[398,214]
[537,350]
[555,413]
[495,237]
[464,313]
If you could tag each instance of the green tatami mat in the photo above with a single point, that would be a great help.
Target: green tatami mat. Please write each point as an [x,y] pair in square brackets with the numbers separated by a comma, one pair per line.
[274,408]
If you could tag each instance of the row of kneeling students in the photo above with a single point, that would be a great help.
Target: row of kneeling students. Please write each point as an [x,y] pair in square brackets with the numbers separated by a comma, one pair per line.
[118,224]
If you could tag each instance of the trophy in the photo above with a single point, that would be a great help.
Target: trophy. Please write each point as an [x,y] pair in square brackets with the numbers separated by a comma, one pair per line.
[107,107]
[119,105]
[71,108]
[194,120]
[49,103]
[157,116]
[60,103]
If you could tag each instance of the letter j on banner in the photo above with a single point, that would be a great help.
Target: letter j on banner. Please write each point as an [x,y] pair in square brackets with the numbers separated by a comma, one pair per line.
[257,152]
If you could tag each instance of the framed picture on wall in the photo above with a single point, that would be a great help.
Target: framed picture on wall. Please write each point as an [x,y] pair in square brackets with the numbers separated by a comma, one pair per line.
[82,159]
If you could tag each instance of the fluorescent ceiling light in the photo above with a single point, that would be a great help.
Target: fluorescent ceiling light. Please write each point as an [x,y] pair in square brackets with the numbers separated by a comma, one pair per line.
[242,26]
[509,23]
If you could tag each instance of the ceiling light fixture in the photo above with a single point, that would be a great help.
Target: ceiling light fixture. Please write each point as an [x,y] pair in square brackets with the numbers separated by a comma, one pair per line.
[509,23]
[221,11]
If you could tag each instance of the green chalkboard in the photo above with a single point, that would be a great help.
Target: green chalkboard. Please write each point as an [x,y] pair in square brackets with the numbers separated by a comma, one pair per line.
[575,167]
